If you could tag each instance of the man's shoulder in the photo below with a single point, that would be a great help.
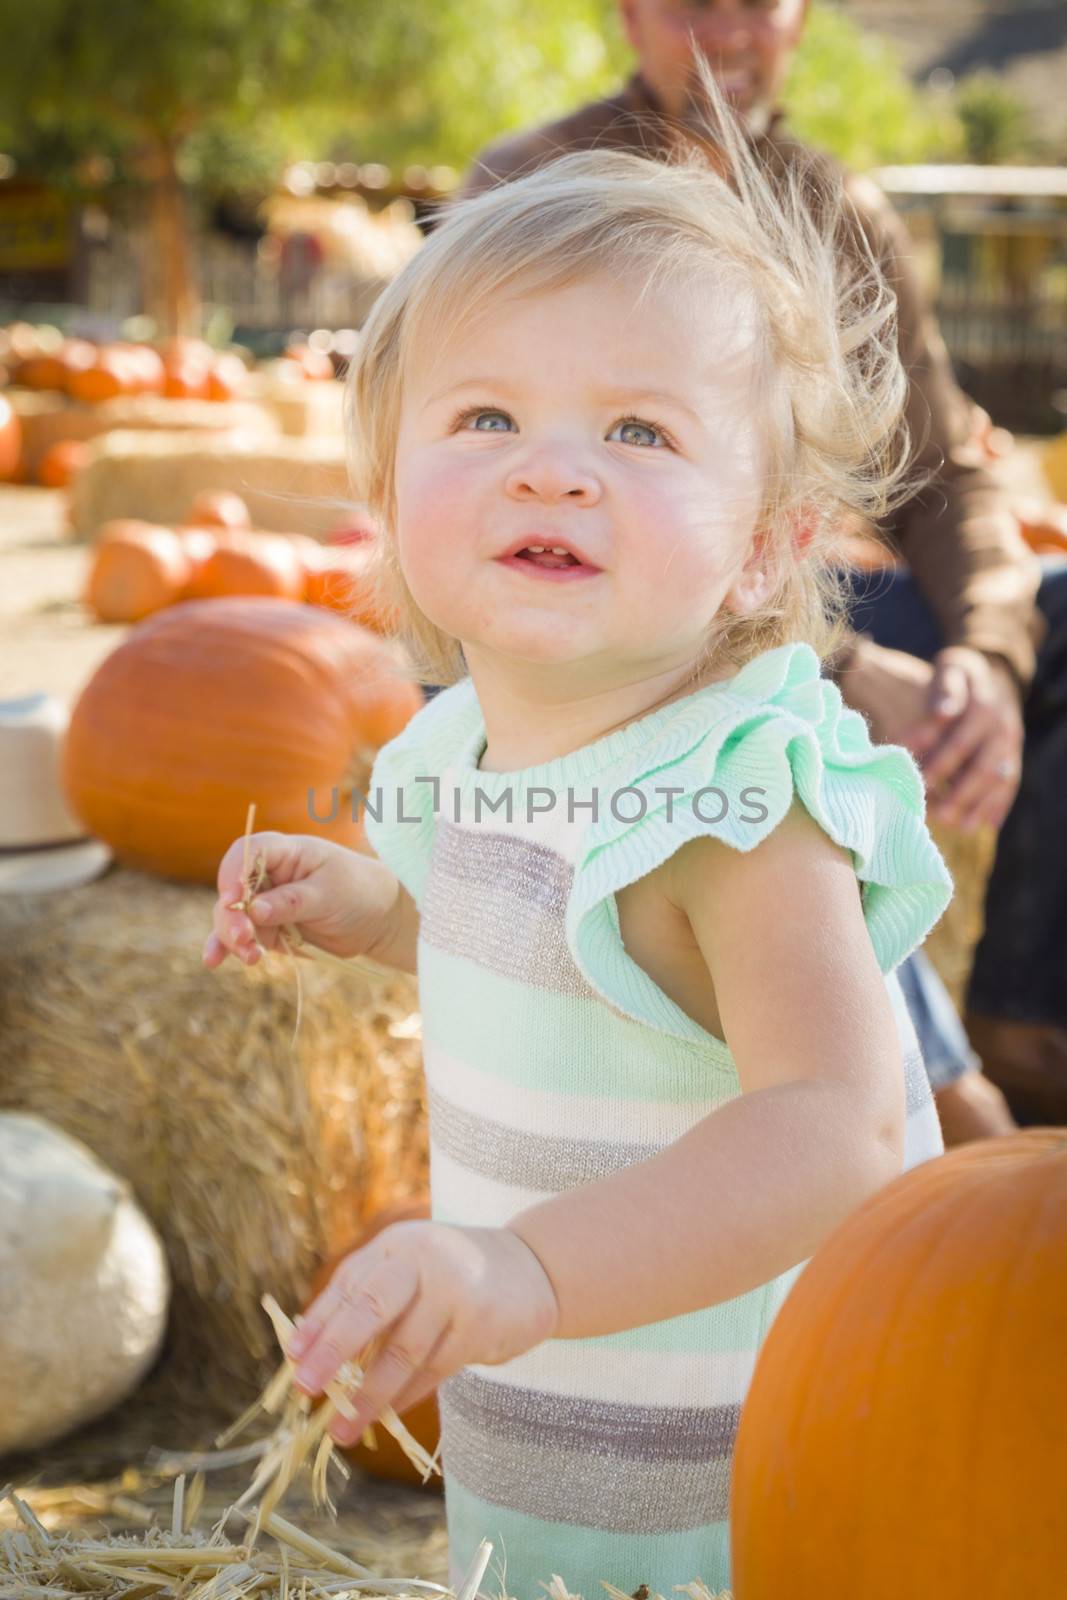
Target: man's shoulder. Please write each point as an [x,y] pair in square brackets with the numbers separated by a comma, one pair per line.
[869,203]
[514,155]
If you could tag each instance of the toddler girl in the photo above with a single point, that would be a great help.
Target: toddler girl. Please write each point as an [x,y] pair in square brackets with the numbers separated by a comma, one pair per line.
[652,874]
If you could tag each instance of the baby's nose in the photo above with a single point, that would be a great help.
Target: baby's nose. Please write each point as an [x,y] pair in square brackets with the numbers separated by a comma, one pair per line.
[549,476]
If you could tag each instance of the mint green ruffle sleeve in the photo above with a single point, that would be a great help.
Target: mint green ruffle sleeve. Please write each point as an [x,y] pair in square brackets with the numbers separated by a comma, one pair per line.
[399,780]
[778,727]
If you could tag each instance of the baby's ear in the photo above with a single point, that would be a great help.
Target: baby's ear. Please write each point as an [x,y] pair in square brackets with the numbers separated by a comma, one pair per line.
[755,582]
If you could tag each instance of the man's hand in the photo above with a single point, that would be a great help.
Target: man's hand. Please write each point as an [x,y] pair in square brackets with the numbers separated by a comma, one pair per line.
[959,716]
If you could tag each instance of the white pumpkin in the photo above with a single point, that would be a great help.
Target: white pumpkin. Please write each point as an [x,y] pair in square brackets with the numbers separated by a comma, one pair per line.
[84,1285]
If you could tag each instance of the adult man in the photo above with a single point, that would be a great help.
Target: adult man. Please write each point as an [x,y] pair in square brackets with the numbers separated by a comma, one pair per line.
[950,641]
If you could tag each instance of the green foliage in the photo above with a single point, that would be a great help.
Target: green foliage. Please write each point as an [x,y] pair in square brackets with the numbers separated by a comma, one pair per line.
[475,73]
[848,93]
[995,122]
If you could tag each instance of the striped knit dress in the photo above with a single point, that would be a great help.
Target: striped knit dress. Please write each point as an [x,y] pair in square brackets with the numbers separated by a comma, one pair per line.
[552,1060]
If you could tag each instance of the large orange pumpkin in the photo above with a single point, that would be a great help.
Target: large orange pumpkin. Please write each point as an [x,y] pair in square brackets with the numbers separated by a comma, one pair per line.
[10,441]
[904,1430]
[214,704]
[423,1419]
[133,574]
[251,563]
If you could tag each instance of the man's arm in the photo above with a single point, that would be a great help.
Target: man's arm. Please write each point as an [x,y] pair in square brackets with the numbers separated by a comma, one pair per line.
[756,1186]
[957,534]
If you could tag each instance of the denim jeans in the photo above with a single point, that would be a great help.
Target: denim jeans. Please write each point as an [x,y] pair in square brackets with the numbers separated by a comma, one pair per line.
[946,1050]
[1020,965]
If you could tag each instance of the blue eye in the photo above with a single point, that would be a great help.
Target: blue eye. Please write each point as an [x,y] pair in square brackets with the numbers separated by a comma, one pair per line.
[642,427]
[476,417]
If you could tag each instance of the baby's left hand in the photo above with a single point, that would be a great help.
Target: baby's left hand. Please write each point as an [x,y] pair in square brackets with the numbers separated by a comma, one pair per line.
[441,1296]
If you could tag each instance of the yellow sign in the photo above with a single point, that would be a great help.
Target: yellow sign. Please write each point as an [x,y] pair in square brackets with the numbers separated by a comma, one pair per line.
[34,230]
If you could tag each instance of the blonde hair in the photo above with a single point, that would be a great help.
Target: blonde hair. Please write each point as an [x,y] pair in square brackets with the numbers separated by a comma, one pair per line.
[836,445]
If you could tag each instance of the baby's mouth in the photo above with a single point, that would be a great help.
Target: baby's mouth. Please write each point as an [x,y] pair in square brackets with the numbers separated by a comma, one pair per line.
[542,557]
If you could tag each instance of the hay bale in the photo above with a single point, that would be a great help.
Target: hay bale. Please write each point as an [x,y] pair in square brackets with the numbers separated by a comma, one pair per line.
[254,1157]
[951,946]
[288,484]
[47,418]
[301,410]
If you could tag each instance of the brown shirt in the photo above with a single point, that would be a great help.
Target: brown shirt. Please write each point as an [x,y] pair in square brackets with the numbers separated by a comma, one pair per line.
[957,536]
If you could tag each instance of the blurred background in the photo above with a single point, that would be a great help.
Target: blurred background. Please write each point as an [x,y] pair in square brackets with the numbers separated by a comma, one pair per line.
[252,172]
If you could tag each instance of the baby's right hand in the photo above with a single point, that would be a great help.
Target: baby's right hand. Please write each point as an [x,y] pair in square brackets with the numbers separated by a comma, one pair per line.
[329,892]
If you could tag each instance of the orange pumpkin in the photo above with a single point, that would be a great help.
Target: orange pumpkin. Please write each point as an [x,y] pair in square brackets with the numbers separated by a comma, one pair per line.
[199,545]
[226,377]
[314,364]
[188,381]
[122,527]
[10,441]
[251,563]
[133,574]
[61,461]
[42,372]
[181,350]
[337,577]
[212,704]
[218,508]
[1044,527]
[903,1433]
[107,378]
[422,1419]
[146,368]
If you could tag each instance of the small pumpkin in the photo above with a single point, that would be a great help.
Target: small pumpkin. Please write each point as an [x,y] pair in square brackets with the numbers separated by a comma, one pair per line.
[42,372]
[226,377]
[250,563]
[186,381]
[10,441]
[146,366]
[218,508]
[133,574]
[338,578]
[314,364]
[109,376]
[422,1419]
[903,1431]
[61,461]
[199,545]
[1044,527]
[213,704]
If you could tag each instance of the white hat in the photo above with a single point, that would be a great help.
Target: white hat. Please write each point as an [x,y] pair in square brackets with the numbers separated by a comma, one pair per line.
[42,846]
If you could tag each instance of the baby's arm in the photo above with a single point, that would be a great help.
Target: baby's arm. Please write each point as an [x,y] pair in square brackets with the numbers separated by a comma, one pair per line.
[758,1185]
[396,946]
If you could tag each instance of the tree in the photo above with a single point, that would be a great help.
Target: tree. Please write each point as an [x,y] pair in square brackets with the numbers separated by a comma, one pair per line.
[995,121]
[849,94]
[146,78]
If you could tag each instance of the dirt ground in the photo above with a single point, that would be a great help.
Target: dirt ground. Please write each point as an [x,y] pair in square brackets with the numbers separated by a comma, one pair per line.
[47,638]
